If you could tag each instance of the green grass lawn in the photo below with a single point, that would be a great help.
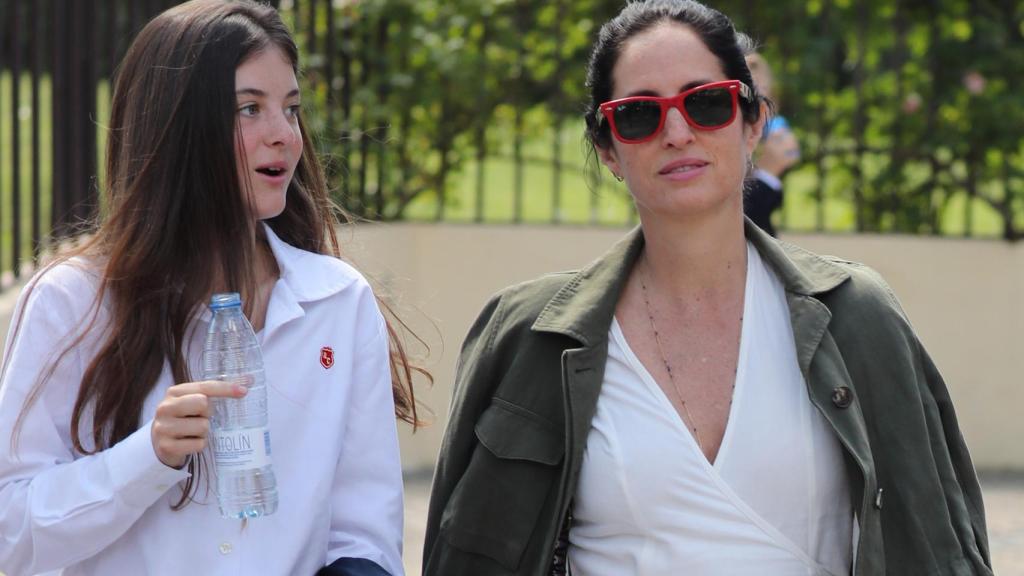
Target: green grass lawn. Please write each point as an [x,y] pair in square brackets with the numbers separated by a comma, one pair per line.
[577,204]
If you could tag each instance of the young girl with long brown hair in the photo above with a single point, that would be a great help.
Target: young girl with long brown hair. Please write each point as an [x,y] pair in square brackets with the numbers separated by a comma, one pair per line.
[211,186]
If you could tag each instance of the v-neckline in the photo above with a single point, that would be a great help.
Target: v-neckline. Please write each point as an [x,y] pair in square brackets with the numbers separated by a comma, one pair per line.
[739,382]
[666,404]
[713,470]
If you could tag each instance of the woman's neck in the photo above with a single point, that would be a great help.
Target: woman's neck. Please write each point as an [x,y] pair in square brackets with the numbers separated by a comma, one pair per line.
[695,257]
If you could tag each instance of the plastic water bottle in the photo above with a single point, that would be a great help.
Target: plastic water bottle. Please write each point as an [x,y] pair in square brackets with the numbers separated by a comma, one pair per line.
[239,433]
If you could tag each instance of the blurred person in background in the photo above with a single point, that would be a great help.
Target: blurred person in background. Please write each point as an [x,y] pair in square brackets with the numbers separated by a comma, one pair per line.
[702,399]
[778,152]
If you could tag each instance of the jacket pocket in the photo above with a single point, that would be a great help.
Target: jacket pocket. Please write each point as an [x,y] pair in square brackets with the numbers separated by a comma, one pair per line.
[513,472]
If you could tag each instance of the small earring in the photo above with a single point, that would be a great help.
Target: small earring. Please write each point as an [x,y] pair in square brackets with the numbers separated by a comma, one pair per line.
[617,177]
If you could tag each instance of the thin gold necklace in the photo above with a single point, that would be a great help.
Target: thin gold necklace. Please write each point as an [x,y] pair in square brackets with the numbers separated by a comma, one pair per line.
[668,367]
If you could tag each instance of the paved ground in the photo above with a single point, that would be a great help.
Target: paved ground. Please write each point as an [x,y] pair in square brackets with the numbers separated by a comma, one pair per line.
[1004,505]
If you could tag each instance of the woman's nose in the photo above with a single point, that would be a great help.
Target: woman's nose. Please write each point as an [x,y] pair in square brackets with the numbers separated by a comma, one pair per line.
[677,131]
[282,130]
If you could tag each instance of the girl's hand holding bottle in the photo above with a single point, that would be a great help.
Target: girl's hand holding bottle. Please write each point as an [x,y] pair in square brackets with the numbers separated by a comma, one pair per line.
[181,426]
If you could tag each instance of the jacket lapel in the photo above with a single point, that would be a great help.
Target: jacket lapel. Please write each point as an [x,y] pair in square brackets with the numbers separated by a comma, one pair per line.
[583,309]
[805,276]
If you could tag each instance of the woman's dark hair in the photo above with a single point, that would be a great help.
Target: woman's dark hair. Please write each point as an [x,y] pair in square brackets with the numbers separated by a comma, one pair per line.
[175,214]
[714,28]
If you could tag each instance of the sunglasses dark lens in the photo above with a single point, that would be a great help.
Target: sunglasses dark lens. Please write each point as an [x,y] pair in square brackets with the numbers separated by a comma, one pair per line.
[637,120]
[710,108]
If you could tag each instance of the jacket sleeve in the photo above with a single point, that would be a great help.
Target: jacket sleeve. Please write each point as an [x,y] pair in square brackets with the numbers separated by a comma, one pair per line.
[966,485]
[58,507]
[959,480]
[366,497]
[474,385]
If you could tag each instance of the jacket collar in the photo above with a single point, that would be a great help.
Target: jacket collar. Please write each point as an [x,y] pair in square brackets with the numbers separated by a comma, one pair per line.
[800,271]
[584,307]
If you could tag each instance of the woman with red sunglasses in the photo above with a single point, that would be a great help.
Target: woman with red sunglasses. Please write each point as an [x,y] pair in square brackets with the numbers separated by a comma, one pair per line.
[702,399]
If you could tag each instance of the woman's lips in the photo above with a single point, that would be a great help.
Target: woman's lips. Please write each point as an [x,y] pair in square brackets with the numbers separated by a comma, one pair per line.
[683,170]
[275,173]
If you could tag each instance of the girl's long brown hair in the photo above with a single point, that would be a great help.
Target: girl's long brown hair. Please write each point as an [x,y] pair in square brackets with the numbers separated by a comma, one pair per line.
[176,216]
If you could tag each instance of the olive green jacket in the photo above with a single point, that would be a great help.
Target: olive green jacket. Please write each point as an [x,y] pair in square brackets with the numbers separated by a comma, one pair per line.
[529,377]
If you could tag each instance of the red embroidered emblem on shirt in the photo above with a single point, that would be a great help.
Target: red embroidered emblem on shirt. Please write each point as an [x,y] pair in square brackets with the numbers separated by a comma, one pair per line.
[327,357]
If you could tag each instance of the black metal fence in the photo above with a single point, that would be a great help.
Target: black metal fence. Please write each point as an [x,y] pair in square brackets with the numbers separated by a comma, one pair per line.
[467,110]
[54,55]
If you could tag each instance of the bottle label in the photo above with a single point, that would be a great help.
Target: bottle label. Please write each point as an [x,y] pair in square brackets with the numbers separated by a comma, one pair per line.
[241,448]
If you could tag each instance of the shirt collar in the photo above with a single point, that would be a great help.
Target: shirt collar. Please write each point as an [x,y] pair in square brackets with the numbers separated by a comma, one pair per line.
[304,277]
[768,178]
[307,275]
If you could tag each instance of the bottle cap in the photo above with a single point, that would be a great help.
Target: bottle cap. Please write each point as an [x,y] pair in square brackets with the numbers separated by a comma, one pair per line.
[225,300]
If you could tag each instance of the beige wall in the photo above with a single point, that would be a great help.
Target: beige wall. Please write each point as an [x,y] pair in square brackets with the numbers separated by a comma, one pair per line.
[964,297]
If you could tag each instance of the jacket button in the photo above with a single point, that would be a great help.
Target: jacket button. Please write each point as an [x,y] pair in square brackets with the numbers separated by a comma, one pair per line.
[842,397]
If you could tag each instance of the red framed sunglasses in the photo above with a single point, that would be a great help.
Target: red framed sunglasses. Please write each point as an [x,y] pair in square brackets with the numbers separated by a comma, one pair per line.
[708,107]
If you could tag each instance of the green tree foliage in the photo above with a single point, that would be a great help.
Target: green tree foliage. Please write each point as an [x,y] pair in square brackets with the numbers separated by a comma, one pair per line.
[918,101]
[906,108]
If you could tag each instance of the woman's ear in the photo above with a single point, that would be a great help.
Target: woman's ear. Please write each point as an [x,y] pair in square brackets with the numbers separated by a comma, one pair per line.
[610,159]
[756,129]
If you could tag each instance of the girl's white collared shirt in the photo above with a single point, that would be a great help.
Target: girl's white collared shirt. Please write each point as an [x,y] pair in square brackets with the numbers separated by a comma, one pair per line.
[776,500]
[332,425]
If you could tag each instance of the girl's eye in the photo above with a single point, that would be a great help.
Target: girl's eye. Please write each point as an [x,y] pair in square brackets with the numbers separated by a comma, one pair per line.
[249,110]
[294,111]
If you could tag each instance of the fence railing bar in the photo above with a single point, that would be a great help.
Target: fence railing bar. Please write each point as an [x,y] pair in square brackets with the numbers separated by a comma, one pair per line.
[556,148]
[365,77]
[328,72]
[36,22]
[90,45]
[518,170]
[310,26]
[4,64]
[406,115]
[896,154]
[480,139]
[135,19]
[61,128]
[15,22]
[77,108]
[556,172]
[443,148]
[346,108]
[860,115]
[382,98]
[517,145]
